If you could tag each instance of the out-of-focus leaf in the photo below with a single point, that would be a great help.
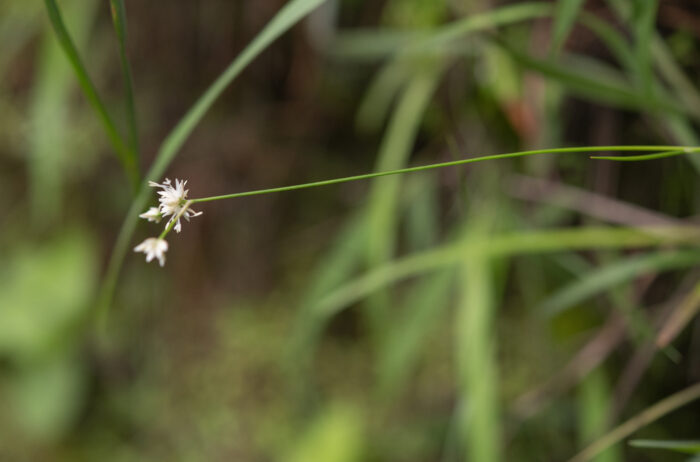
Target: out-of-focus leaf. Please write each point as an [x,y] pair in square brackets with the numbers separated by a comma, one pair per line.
[564,20]
[125,155]
[594,402]
[338,265]
[335,436]
[598,280]
[521,243]
[396,148]
[477,362]
[377,44]
[503,75]
[684,446]
[119,22]
[644,30]
[422,206]
[47,396]
[594,80]
[45,289]
[414,14]
[380,95]
[423,307]
[50,135]
[613,39]
[647,416]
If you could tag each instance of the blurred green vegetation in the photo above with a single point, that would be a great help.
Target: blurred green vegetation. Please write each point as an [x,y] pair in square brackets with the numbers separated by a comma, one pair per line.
[517,309]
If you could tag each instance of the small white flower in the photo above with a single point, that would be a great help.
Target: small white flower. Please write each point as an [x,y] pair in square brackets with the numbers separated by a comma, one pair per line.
[153,214]
[172,200]
[153,248]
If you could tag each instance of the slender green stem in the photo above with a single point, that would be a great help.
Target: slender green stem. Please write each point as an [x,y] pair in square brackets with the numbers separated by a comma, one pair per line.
[659,155]
[119,21]
[124,153]
[674,149]
[173,220]
[645,417]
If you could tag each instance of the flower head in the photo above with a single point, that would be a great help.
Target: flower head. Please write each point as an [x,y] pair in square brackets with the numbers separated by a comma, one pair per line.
[153,248]
[172,200]
[153,214]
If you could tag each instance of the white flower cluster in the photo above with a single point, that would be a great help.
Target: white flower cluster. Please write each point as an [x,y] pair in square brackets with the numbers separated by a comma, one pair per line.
[153,247]
[172,200]
[172,203]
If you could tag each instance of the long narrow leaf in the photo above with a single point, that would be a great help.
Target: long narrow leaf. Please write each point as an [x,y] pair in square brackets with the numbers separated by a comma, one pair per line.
[649,415]
[684,446]
[564,20]
[119,22]
[383,204]
[644,33]
[594,80]
[125,155]
[614,274]
[373,44]
[477,361]
[522,243]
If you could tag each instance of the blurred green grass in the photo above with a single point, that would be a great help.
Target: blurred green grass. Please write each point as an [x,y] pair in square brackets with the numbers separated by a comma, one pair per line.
[408,319]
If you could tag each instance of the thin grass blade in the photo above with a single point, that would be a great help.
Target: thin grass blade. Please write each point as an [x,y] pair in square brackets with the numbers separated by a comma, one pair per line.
[126,156]
[644,418]
[384,198]
[522,243]
[683,446]
[644,30]
[600,280]
[564,20]
[594,401]
[477,361]
[119,21]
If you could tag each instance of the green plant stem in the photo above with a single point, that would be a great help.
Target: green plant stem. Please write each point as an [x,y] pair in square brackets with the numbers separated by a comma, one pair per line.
[124,153]
[642,419]
[659,155]
[674,149]
[173,220]
[119,22]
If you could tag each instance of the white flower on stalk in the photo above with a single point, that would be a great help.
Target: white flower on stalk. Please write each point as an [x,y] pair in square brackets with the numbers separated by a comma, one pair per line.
[153,248]
[153,214]
[172,200]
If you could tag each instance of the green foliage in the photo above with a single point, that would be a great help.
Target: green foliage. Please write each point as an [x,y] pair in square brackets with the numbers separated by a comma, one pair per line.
[687,446]
[564,20]
[127,156]
[44,298]
[45,293]
[119,20]
[611,275]
[225,354]
[593,403]
[52,148]
[335,436]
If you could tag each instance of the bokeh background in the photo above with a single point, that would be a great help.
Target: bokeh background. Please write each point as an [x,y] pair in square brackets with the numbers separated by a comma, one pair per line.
[279,329]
